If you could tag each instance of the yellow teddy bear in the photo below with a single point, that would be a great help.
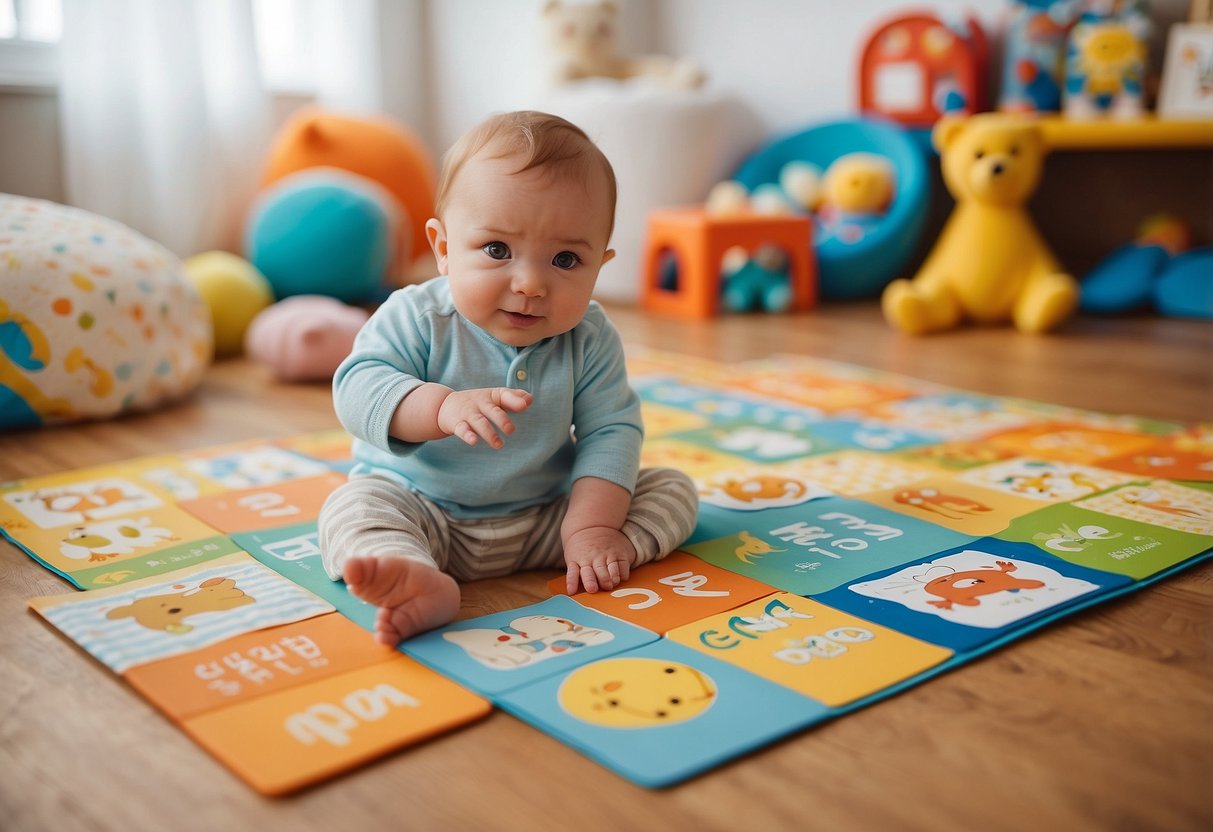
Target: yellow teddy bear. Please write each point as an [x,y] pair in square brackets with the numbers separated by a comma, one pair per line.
[990,263]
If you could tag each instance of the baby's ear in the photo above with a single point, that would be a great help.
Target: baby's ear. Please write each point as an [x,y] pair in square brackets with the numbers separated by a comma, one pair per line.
[607,256]
[436,234]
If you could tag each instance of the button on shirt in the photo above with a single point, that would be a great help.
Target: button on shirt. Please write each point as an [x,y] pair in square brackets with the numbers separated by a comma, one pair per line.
[577,379]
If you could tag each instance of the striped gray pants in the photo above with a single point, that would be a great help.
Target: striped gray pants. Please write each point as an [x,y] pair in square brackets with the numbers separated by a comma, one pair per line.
[369,516]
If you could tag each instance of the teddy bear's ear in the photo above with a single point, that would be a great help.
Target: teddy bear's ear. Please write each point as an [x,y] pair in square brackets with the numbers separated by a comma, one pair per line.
[945,132]
[121,612]
[551,7]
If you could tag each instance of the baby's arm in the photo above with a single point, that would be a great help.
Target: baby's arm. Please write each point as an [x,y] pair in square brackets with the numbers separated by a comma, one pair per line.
[598,554]
[435,411]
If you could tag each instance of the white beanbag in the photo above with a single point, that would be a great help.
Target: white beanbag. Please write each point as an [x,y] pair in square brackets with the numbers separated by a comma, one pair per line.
[95,320]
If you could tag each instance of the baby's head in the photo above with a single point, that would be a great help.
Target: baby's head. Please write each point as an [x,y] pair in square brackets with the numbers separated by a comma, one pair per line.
[525,210]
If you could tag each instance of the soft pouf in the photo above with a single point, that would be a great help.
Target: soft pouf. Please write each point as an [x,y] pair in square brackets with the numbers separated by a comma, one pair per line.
[95,320]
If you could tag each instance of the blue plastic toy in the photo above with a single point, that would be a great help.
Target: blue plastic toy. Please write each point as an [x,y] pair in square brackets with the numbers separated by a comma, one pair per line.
[323,232]
[1153,270]
[860,268]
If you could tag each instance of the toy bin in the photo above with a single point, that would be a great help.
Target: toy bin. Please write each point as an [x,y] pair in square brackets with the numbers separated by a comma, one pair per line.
[861,268]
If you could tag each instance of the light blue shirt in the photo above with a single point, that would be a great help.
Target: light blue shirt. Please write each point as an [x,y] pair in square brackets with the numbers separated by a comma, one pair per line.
[578,380]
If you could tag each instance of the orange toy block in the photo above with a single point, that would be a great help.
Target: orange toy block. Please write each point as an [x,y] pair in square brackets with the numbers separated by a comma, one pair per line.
[699,241]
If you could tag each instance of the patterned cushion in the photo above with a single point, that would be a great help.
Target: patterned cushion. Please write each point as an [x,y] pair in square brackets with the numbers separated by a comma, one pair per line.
[95,320]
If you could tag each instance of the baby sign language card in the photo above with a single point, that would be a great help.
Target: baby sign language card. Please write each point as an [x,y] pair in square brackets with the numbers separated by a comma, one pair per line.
[499,652]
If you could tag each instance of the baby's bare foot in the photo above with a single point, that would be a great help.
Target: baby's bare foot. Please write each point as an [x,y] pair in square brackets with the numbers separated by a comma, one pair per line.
[412,597]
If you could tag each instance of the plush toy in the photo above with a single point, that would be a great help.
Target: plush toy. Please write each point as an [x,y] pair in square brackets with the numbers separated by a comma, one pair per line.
[857,184]
[324,231]
[990,263]
[583,38]
[304,338]
[1106,60]
[379,149]
[233,290]
[1032,54]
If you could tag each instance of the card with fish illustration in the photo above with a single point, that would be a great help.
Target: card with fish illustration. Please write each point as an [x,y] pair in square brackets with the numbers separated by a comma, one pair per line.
[813,649]
[755,488]
[284,503]
[156,618]
[662,713]
[495,653]
[1105,541]
[110,542]
[670,592]
[285,741]
[814,547]
[964,598]
[294,551]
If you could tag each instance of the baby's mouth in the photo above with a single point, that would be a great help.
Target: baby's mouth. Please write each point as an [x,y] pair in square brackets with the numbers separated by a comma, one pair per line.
[521,319]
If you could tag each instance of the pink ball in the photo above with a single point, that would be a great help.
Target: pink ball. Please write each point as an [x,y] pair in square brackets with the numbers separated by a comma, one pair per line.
[305,337]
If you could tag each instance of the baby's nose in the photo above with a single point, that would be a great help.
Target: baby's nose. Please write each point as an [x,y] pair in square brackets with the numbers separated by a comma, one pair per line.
[526,282]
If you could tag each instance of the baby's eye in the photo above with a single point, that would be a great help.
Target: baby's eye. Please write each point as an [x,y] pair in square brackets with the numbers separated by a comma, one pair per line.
[566,260]
[496,250]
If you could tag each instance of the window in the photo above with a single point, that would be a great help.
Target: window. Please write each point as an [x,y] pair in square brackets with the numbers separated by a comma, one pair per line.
[30,32]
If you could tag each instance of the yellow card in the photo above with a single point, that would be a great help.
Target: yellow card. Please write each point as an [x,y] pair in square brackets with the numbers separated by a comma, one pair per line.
[955,505]
[813,649]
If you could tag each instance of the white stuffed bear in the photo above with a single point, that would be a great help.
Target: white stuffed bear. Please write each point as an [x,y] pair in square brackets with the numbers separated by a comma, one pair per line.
[583,38]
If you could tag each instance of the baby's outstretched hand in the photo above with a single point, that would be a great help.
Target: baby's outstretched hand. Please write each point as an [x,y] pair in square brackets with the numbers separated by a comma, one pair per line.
[480,413]
[598,558]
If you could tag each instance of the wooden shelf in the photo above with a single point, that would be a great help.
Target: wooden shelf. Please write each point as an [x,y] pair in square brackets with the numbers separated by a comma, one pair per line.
[1148,132]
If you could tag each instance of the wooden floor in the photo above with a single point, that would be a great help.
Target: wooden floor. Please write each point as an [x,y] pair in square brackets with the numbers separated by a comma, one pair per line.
[1103,721]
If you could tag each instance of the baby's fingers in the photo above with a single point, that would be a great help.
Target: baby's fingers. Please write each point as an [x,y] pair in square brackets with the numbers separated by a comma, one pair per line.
[515,400]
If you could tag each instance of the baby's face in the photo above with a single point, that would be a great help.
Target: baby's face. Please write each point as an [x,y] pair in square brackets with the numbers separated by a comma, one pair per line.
[522,250]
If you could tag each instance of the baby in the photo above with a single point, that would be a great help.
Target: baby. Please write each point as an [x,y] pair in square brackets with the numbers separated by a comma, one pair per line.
[494,427]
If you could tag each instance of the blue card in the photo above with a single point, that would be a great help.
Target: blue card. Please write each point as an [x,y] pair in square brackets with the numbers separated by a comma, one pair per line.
[497,653]
[663,712]
[870,435]
[293,551]
[815,546]
[973,594]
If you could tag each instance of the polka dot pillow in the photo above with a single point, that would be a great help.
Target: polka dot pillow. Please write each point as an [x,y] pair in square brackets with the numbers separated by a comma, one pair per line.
[95,320]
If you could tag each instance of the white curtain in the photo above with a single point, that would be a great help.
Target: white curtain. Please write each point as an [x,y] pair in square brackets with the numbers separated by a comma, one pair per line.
[164,116]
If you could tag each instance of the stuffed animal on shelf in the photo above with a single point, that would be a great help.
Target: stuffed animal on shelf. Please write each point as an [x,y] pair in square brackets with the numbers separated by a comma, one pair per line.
[305,337]
[1035,41]
[584,43]
[990,263]
[1106,60]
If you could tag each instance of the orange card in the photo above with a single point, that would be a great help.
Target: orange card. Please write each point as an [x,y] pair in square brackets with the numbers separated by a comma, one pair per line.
[283,503]
[1070,442]
[288,740]
[671,592]
[256,664]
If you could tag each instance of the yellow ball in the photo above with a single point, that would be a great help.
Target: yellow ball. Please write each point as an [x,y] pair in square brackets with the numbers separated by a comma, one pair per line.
[233,290]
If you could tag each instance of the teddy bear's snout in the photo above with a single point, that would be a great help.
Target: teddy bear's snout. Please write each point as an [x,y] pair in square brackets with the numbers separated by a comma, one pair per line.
[997,169]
